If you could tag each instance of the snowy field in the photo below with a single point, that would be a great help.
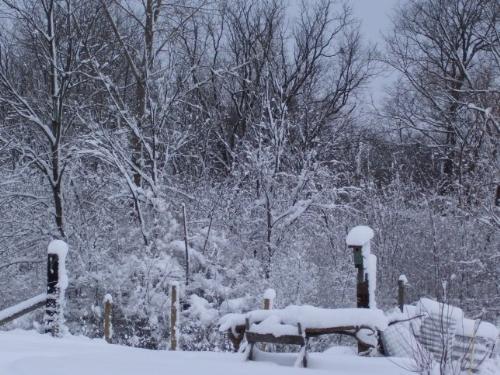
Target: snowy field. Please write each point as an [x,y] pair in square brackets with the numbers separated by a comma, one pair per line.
[29,353]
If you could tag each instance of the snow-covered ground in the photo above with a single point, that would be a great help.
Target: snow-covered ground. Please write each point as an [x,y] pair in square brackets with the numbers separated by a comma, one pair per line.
[29,353]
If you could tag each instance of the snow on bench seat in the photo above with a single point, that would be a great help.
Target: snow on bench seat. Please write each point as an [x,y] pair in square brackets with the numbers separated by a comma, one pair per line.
[310,317]
[272,330]
[272,325]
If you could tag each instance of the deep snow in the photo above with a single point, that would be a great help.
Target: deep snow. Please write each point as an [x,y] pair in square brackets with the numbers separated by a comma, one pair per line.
[29,353]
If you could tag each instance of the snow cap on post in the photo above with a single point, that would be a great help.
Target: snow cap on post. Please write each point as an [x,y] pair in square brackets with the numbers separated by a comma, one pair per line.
[359,236]
[174,283]
[108,298]
[403,279]
[57,282]
[270,294]
[58,247]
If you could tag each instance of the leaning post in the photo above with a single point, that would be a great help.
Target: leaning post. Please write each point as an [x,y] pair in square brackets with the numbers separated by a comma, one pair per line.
[186,245]
[57,281]
[358,240]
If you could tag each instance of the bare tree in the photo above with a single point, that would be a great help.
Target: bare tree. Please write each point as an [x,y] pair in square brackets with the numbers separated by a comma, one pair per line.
[37,82]
[447,91]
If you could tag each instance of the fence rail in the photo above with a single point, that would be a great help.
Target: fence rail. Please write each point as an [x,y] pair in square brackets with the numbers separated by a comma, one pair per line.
[53,300]
[14,312]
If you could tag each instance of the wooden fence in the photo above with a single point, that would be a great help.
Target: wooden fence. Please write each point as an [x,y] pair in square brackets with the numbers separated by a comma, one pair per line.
[53,299]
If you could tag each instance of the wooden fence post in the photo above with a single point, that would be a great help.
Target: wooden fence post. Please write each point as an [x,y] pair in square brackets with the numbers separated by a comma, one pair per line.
[57,281]
[358,240]
[174,304]
[269,296]
[402,281]
[249,349]
[267,304]
[108,326]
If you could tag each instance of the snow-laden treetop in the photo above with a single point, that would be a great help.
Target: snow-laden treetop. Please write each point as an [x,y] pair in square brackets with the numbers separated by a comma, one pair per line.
[58,247]
[359,236]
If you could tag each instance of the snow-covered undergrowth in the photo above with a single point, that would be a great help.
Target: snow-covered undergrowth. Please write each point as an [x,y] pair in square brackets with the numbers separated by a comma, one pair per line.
[29,353]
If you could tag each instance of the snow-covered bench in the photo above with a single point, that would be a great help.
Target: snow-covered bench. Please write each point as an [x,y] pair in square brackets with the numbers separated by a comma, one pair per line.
[296,324]
[272,331]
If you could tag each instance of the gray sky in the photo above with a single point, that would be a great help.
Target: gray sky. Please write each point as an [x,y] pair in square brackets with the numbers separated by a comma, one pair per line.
[375,18]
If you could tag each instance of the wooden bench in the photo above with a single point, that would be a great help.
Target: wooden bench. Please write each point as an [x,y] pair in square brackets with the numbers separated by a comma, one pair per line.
[295,325]
[269,338]
[240,332]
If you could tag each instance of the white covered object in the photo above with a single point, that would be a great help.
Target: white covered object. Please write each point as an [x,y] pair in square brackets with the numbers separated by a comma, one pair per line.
[371,270]
[272,325]
[310,317]
[270,294]
[472,328]
[23,352]
[58,247]
[202,310]
[359,236]
[13,310]
[403,279]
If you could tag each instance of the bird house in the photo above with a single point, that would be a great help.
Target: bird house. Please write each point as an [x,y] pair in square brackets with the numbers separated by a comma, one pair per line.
[358,238]
[357,256]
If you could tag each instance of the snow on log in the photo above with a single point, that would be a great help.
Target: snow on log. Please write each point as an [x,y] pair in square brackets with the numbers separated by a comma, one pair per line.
[22,308]
[272,325]
[310,317]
